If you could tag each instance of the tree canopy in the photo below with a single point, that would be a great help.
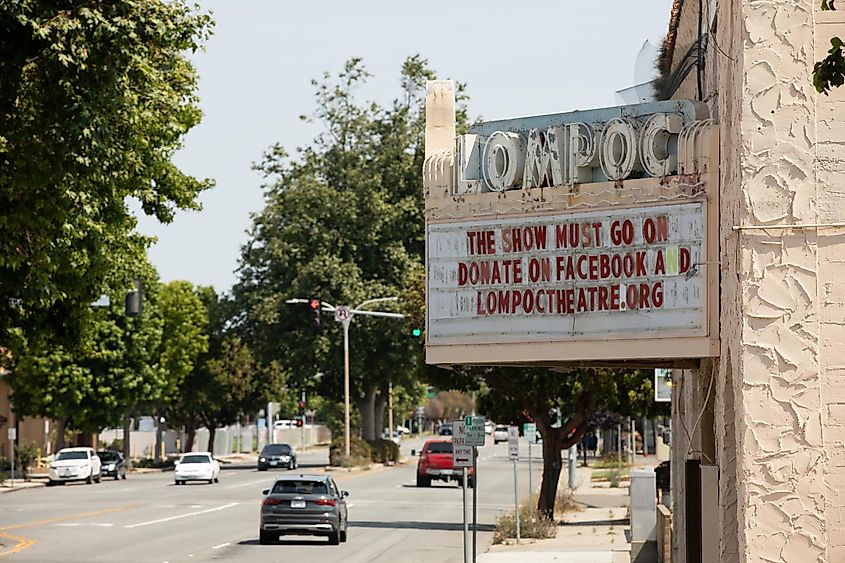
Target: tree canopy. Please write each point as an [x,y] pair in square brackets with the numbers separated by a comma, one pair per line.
[96,97]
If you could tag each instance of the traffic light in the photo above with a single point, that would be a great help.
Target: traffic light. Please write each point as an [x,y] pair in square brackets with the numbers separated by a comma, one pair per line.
[299,423]
[301,411]
[134,300]
[417,332]
[315,309]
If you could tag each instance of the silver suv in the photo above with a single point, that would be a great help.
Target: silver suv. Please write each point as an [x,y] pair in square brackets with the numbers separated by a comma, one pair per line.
[303,505]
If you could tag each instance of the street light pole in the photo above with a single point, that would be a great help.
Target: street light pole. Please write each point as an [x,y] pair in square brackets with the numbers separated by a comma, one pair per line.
[344,315]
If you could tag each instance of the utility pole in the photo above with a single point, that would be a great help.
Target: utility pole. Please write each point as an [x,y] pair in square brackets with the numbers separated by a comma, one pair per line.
[344,316]
[390,411]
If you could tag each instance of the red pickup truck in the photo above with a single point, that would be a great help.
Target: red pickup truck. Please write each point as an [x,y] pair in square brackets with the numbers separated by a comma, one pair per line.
[436,463]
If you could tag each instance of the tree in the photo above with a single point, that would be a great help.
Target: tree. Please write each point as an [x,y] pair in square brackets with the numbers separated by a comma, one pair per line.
[830,71]
[96,98]
[562,404]
[112,369]
[344,222]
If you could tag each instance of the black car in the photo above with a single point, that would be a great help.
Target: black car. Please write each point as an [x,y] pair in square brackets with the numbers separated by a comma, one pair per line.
[276,455]
[446,430]
[112,464]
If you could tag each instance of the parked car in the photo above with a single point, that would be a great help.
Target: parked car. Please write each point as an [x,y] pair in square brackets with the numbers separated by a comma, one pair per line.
[436,463]
[500,434]
[74,464]
[112,464]
[402,430]
[445,430]
[276,455]
[489,427]
[304,504]
[197,466]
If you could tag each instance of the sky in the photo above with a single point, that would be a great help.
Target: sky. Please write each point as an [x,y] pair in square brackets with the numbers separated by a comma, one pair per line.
[517,59]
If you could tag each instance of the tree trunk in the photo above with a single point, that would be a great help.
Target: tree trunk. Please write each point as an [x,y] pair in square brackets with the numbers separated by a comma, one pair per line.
[157,453]
[378,417]
[191,433]
[60,433]
[367,408]
[211,431]
[127,437]
[552,465]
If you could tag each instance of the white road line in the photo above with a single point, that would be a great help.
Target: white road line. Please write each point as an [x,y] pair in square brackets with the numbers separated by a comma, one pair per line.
[95,524]
[160,520]
[219,545]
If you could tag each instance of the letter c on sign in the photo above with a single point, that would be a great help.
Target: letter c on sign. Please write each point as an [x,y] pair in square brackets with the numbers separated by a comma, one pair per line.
[504,160]
[618,151]
[654,143]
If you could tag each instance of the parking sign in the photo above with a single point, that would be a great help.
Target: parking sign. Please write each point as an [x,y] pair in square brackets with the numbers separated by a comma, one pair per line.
[513,442]
[475,430]
[461,451]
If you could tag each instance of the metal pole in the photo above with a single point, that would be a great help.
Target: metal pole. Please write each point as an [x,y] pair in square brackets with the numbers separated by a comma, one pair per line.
[464,487]
[633,442]
[474,498]
[619,451]
[516,500]
[346,383]
[573,459]
[390,412]
[302,428]
[530,481]
[12,456]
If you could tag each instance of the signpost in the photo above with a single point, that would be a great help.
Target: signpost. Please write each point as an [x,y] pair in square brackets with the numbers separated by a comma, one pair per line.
[13,435]
[513,455]
[462,457]
[529,430]
[475,437]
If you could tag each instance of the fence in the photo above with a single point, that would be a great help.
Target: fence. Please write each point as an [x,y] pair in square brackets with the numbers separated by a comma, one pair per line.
[227,440]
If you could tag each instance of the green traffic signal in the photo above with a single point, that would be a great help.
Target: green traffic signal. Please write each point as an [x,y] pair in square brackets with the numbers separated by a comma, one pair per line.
[416,332]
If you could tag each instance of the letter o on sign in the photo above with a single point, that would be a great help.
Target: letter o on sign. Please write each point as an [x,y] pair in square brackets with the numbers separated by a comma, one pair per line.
[504,160]
[618,151]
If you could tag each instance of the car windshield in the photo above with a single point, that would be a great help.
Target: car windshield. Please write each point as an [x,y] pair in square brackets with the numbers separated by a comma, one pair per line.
[439,448]
[195,459]
[276,449]
[301,487]
[71,455]
[501,429]
[107,456]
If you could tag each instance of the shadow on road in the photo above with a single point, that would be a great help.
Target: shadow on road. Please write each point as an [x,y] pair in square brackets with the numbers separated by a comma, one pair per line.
[433,486]
[417,525]
[315,542]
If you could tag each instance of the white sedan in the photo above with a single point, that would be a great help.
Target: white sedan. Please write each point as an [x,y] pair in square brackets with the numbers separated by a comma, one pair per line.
[197,466]
[74,464]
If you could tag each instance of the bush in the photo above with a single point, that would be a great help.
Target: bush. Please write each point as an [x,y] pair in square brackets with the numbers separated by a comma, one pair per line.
[532,524]
[359,453]
[151,463]
[25,454]
[384,451]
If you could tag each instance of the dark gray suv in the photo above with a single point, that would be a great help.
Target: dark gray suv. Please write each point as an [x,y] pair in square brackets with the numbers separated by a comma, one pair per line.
[303,505]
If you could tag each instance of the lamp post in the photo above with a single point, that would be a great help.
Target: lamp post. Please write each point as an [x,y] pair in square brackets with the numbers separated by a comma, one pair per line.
[344,316]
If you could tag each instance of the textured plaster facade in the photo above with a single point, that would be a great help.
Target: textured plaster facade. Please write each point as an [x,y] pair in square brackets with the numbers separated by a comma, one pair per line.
[779,386]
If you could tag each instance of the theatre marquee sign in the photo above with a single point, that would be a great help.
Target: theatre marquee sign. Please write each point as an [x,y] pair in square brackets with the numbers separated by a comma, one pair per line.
[554,241]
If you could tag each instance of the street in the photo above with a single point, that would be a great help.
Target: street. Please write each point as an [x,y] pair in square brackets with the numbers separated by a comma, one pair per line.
[147,518]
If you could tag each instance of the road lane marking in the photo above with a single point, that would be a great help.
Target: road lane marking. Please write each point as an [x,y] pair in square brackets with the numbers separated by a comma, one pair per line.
[179,516]
[22,543]
[219,545]
[96,524]
[76,516]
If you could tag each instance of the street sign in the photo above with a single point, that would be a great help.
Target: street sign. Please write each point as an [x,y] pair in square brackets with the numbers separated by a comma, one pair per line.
[475,430]
[529,430]
[342,313]
[13,433]
[461,451]
[513,443]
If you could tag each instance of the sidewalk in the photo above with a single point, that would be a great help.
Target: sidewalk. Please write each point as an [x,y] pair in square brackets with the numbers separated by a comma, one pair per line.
[594,534]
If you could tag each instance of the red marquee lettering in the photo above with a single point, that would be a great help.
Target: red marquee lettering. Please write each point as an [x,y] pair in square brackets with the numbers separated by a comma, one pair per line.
[685,259]
[462,274]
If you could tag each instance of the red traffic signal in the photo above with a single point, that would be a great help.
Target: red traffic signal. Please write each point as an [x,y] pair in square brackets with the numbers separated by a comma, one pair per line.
[315,307]
[299,423]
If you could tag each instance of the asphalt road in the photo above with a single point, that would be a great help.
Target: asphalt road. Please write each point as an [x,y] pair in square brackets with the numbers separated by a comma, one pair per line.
[147,519]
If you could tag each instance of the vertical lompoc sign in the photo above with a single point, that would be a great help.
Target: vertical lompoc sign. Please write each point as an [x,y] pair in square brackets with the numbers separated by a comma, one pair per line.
[581,237]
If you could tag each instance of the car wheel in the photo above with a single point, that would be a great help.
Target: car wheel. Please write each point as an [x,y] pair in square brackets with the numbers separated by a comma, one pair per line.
[211,481]
[262,469]
[178,483]
[123,476]
[423,481]
[343,535]
[99,477]
[116,475]
[334,538]
[51,483]
[90,478]
[264,538]
[217,479]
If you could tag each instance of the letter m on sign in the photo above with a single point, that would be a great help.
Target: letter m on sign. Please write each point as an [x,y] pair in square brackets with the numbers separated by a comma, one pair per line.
[543,158]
